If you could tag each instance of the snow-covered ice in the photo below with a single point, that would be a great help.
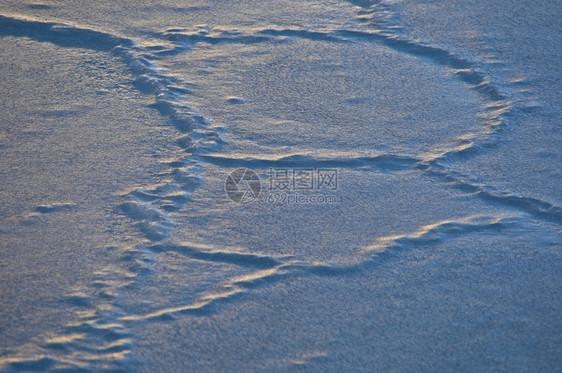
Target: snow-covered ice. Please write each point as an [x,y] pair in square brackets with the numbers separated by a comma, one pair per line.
[292,185]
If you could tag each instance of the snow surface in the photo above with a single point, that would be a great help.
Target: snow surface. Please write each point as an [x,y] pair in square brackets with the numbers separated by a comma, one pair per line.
[124,248]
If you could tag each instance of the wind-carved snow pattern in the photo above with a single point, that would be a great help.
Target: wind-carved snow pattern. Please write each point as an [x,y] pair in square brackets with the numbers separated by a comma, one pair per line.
[99,339]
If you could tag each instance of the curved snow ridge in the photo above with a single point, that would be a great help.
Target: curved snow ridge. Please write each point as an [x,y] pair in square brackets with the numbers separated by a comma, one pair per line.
[37,363]
[113,345]
[378,14]
[533,206]
[55,207]
[186,39]
[395,163]
[461,68]
[495,107]
[435,232]
[189,37]
[74,351]
[149,206]
[170,92]
[537,207]
[208,303]
[96,340]
[382,162]
[271,270]
[387,247]
[210,254]
[150,220]
[60,34]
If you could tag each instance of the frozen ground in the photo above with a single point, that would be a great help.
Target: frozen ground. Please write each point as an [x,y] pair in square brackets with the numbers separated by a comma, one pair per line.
[418,141]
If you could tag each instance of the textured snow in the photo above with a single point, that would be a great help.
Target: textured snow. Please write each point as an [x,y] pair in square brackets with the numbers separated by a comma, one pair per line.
[437,250]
